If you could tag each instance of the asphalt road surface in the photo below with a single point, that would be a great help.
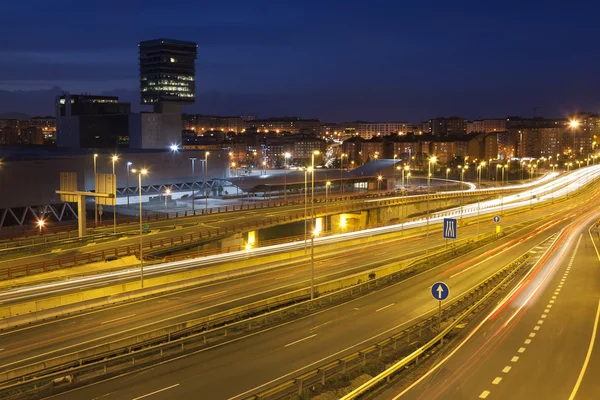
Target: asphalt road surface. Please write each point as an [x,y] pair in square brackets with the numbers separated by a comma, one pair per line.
[542,343]
[258,360]
[24,345]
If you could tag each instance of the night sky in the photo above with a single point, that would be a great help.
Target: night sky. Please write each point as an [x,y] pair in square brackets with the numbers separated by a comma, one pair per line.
[333,60]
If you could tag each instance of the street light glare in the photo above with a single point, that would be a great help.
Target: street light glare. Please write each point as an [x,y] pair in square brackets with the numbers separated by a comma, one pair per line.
[287,155]
[433,159]
[316,152]
[174,147]
[115,157]
[574,124]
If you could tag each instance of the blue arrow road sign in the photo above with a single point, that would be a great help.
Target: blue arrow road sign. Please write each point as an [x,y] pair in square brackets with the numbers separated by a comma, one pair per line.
[440,291]
[449,228]
[496,219]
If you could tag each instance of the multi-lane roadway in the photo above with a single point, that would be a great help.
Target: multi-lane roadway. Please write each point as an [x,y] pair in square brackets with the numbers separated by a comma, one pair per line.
[250,363]
[542,343]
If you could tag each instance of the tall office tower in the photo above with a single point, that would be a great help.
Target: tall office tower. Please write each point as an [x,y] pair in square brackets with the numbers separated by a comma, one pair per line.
[167,71]
[167,82]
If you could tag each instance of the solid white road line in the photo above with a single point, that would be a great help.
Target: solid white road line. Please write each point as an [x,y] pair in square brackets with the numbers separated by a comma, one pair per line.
[383,308]
[117,319]
[592,339]
[301,340]
[157,391]
[588,355]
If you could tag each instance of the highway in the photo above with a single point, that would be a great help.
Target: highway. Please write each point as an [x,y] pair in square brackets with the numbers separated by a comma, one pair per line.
[83,330]
[23,345]
[260,359]
[174,228]
[541,343]
[129,275]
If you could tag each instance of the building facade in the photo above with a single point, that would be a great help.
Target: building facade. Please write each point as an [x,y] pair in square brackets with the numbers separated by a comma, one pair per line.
[367,130]
[167,71]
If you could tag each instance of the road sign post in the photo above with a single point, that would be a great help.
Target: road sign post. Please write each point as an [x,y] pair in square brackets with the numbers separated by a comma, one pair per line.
[440,291]
[450,228]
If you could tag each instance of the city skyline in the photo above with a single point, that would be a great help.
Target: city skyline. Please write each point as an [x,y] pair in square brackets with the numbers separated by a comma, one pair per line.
[315,60]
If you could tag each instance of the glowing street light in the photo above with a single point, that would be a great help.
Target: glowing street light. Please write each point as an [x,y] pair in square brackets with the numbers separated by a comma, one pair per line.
[129,163]
[174,148]
[41,223]
[167,193]
[574,124]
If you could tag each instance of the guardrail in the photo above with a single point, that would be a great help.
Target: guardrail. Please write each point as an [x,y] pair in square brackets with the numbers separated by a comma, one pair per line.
[110,358]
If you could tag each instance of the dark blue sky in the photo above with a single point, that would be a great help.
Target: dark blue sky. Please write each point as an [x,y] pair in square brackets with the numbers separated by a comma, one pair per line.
[334,60]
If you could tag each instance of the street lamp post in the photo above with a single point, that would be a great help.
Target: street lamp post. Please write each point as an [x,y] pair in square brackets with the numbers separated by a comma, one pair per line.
[314,227]
[480,171]
[573,124]
[341,172]
[95,198]
[167,193]
[394,168]
[447,172]
[379,179]
[327,184]
[305,203]
[193,160]
[140,173]
[286,156]
[114,159]
[206,154]
[432,160]
[463,168]
[128,167]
